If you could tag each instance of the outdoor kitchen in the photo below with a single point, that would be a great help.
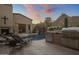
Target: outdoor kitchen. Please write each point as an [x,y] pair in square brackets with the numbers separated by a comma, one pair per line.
[68,37]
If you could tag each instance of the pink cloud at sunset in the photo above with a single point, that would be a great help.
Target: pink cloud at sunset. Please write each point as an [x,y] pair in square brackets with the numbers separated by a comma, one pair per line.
[35,13]
[48,10]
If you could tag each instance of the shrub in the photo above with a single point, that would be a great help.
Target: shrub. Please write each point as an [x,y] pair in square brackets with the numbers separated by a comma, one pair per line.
[34,31]
[51,29]
[54,28]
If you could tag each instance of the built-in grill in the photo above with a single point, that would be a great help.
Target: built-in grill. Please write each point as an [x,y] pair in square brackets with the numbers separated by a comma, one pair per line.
[70,37]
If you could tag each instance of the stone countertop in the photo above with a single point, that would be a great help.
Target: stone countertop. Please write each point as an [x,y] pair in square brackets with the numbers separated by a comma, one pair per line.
[57,32]
[76,29]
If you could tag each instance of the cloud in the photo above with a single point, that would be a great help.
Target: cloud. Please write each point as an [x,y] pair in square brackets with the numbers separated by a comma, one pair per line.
[34,13]
[49,10]
[44,5]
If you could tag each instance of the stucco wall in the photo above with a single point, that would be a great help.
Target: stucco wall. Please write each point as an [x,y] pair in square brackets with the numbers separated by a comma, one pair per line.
[21,19]
[6,10]
[72,21]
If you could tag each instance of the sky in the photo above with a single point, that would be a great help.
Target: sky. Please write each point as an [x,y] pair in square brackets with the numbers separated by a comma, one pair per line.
[38,12]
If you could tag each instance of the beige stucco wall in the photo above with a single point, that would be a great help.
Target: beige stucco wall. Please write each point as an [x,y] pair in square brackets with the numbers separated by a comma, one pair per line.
[6,10]
[60,20]
[72,21]
[21,19]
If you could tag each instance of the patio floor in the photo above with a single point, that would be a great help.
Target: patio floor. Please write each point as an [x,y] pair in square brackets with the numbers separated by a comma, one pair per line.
[38,47]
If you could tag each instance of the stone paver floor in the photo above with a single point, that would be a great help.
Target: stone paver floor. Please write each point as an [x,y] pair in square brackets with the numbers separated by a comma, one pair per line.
[38,47]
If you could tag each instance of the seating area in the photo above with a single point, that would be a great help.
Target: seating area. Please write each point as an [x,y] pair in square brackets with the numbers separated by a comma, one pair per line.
[13,40]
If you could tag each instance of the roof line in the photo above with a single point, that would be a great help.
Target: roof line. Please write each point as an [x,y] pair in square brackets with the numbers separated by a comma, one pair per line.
[23,15]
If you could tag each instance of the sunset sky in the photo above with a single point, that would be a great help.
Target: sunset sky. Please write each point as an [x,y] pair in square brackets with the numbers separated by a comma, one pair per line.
[38,12]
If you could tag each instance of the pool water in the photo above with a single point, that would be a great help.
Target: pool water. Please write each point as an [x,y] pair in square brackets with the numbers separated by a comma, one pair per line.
[38,37]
